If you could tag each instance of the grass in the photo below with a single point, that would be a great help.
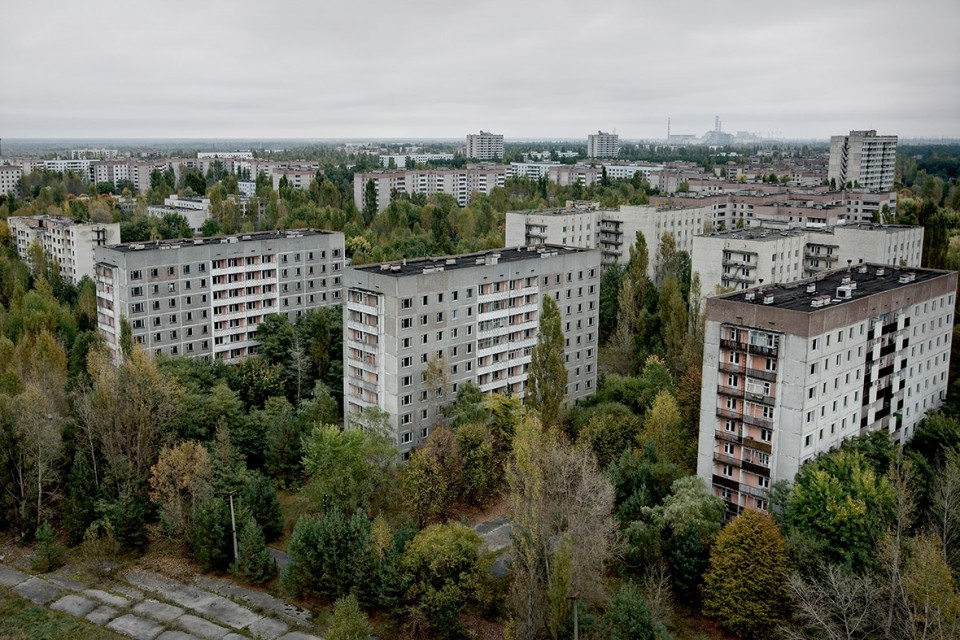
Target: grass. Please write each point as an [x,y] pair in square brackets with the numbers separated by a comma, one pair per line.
[21,620]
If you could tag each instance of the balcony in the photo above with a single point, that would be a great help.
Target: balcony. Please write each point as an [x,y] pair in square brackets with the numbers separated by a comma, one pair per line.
[725,459]
[761,398]
[754,421]
[727,436]
[770,376]
[730,367]
[757,445]
[724,481]
[736,392]
[733,345]
[753,467]
[728,413]
[764,350]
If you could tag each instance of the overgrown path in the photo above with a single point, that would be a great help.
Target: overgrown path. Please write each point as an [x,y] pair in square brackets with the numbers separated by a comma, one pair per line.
[148,606]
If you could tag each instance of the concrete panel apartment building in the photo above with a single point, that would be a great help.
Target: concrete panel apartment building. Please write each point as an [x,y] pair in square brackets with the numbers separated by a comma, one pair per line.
[475,317]
[603,145]
[64,240]
[484,146]
[863,159]
[744,258]
[791,370]
[612,231]
[205,297]
[459,183]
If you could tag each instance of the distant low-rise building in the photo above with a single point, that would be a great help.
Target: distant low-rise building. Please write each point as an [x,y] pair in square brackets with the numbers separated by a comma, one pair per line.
[411,160]
[64,240]
[10,176]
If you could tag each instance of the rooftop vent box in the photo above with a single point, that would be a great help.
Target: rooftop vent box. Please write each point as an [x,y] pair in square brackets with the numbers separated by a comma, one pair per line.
[862,269]
[451,261]
[881,271]
[750,295]
[811,288]
[907,277]
[768,299]
[844,293]
[820,301]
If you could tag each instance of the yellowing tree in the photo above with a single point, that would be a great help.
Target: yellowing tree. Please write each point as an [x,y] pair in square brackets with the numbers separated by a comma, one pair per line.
[745,586]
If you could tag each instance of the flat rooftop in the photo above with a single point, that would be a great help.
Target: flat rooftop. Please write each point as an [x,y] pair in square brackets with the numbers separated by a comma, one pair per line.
[772,232]
[191,242]
[832,288]
[417,266]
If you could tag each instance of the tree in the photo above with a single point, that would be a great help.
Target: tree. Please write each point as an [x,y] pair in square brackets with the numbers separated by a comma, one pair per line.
[347,468]
[433,476]
[260,498]
[745,586]
[211,538]
[448,570]
[610,284]
[610,429]
[178,481]
[841,502]
[254,564]
[79,508]
[555,490]
[370,204]
[548,372]
[664,430]
[49,554]
[348,621]
[628,618]
[328,556]
[673,325]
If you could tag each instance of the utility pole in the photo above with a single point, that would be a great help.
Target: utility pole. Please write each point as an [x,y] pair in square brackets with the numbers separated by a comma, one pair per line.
[576,621]
[233,525]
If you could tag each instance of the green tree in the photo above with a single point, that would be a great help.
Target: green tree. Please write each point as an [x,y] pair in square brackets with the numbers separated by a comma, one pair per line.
[347,468]
[433,477]
[211,538]
[254,564]
[79,508]
[628,618]
[259,497]
[448,569]
[842,504]
[548,372]
[745,586]
[348,621]
[370,206]
[674,329]
[609,304]
[328,556]
[49,555]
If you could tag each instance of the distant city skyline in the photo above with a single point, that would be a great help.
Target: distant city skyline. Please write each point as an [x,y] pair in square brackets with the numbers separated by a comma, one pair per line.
[428,69]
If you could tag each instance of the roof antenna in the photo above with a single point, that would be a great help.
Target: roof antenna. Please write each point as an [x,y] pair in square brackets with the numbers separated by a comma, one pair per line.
[849,262]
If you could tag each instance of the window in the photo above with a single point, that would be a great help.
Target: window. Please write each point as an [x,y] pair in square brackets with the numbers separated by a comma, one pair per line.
[406,362]
[406,303]
[406,323]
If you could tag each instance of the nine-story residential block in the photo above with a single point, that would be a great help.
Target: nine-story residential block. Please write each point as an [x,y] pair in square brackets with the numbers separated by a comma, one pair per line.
[603,145]
[484,145]
[791,370]
[416,330]
[863,159]
[206,297]
[64,240]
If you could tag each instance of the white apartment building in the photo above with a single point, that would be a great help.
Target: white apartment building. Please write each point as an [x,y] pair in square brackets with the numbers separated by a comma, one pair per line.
[296,178]
[93,154]
[222,155]
[863,159]
[473,317]
[484,146]
[569,174]
[10,175]
[109,171]
[459,183]
[79,166]
[410,160]
[611,231]
[532,170]
[195,210]
[205,297]
[66,241]
[603,145]
[744,258]
[791,370]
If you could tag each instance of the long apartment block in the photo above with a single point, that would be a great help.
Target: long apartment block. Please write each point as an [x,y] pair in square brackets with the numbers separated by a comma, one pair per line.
[791,370]
[68,242]
[459,183]
[744,258]
[206,297]
[471,318]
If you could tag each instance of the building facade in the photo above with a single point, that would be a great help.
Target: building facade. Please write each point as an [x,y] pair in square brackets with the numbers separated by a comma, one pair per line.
[206,297]
[415,330]
[459,183]
[411,160]
[484,146]
[863,159]
[744,258]
[790,371]
[10,175]
[603,145]
[64,240]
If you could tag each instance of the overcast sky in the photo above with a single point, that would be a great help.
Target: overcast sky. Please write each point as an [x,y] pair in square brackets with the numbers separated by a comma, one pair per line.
[442,68]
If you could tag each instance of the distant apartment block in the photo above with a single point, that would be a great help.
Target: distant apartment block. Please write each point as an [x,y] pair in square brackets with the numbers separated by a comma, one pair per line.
[792,370]
[231,155]
[195,210]
[863,159]
[206,297]
[603,145]
[744,258]
[611,231]
[410,160]
[10,175]
[93,154]
[459,183]
[296,177]
[64,240]
[473,317]
[484,146]
[532,170]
